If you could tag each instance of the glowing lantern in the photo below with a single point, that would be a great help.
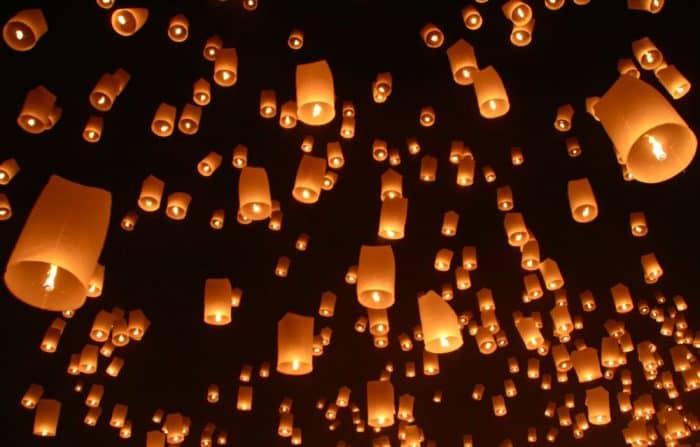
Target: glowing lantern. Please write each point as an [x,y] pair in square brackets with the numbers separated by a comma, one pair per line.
[504,198]
[427,116]
[177,205]
[93,129]
[530,255]
[432,36]
[554,5]
[244,398]
[376,277]
[565,114]
[380,404]
[586,364]
[189,119]
[573,147]
[209,164]
[533,368]
[648,56]
[296,39]
[217,301]
[226,67]
[5,208]
[105,92]
[521,35]
[46,417]
[469,261]
[295,335]
[431,365]
[549,269]
[118,418]
[347,127]
[499,405]
[334,154]
[201,92]
[490,93]
[163,122]
[472,18]
[178,29]
[254,198]
[441,332]
[652,268]
[309,179]
[582,201]
[217,219]
[212,47]
[379,150]
[327,306]
[381,87]
[391,185]
[465,171]
[39,105]
[32,396]
[516,230]
[127,21]
[23,31]
[598,403]
[115,366]
[462,62]
[622,298]
[673,81]
[250,5]
[517,11]
[393,218]
[8,169]
[654,146]
[449,223]
[315,93]
[485,341]
[443,260]
[652,6]
[428,168]
[151,193]
[529,332]
[57,251]
[282,267]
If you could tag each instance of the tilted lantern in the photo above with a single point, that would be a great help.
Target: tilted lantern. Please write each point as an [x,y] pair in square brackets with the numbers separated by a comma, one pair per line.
[127,21]
[491,94]
[309,179]
[462,62]
[441,331]
[23,31]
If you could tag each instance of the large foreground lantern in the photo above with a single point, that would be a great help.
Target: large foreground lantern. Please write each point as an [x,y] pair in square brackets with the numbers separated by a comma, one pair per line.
[315,93]
[650,137]
[295,335]
[57,251]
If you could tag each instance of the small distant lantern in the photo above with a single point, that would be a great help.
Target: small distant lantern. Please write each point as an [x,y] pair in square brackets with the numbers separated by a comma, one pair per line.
[427,116]
[432,36]
[565,115]
[582,201]
[178,29]
[209,164]
[462,61]
[201,92]
[151,193]
[212,47]
[472,18]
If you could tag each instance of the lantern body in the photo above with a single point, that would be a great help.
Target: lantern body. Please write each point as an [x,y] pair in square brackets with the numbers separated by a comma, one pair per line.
[673,81]
[163,122]
[565,114]
[209,164]
[652,6]
[582,200]
[23,31]
[391,185]
[648,56]
[517,11]
[177,205]
[189,119]
[315,93]
[244,401]
[490,93]
[226,67]
[441,331]
[427,116]
[309,179]
[472,18]
[93,129]
[393,218]
[650,138]
[465,171]
[46,417]
[432,36]
[504,198]
[8,169]
[586,364]
[376,277]
[217,301]
[428,168]
[5,208]
[178,29]
[255,202]
[449,223]
[127,21]
[598,403]
[380,404]
[551,274]
[516,230]
[32,395]
[462,62]
[621,298]
[151,193]
[212,47]
[39,105]
[295,335]
[57,251]
[201,92]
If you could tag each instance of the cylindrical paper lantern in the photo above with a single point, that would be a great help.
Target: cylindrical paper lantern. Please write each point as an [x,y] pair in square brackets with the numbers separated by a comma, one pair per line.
[427,116]
[441,331]
[516,230]
[212,47]
[226,67]
[334,154]
[673,81]
[449,223]
[490,93]
[638,224]
[521,35]
[217,301]
[598,403]
[462,61]
[465,171]
[93,129]
[296,39]
[392,218]
[517,11]
[57,251]
[209,164]
[151,193]
[32,395]
[189,119]
[5,208]
[46,417]
[549,269]
[254,193]
[582,200]
[177,205]
[504,198]
[8,169]
[428,168]
[431,365]
[179,28]
[309,179]
[472,18]
[485,341]
[621,298]
[652,268]
[654,146]
[648,56]
[295,335]
[376,277]
[392,185]
[565,114]
[163,122]
[315,93]
[35,116]
[217,219]
[380,403]
[586,364]
[432,36]
[201,92]
[127,21]
[23,31]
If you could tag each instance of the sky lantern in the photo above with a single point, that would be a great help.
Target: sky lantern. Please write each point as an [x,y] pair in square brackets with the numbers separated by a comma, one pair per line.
[441,332]
[315,93]
[23,31]
[127,21]
[295,335]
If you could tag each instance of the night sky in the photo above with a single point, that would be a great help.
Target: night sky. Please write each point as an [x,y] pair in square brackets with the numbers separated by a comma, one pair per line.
[161,266]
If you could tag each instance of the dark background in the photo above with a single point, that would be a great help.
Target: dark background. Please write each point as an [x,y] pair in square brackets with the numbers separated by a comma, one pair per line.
[161,266]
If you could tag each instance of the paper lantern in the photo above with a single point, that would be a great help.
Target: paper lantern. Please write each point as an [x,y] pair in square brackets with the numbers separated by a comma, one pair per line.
[521,35]
[380,404]
[582,201]
[392,218]
[462,61]
[431,364]
[163,122]
[549,269]
[428,168]
[92,416]
[347,127]
[654,146]
[315,96]
[5,208]
[465,172]
[114,367]
[376,277]
[209,164]
[472,18]
[254,194]
[250,5]
[309,179]
[652,6]
[178,29]
[621,298]
[119,412]
[499,405]
[177,205]
[105,92]
[24,29]
[57,251]
[554,4]
[294,341]
[392,183]
[673,81]
[573,147]
[32,396]
[517,11]
[201,92]
[39,105]
[334,154]
[381,87]
[651,267]
[485,341]
[96,282]
[598,403]
[489,174]
[244,398]
[648,56]
[443,260]
[93,129]
[127,21]
[638,224]
[533,368]
[441,331]
[565,114]
[586,364]
[432,36]
[296,39]
[217,301]
[282,267]
[151,193]
[226,67]
[212,47]
[379,150]
[516,231]
[504,198]
[46,417]
[128,222]
[490,93]
[426,116]
[378,322]
[449,223]
[8,169]
[530,255]
[189,119]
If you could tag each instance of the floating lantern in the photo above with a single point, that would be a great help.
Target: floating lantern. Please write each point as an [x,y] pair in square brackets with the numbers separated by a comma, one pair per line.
[177,205]
[428,168]
[376,276]
[212,47]
[315,93]
[127,21]
[309,179]
[462,61]
[209,164]
[39,105]
[565,114]
[427,116]
[189,119]
[504,198]
[294,344]
[217,301]
[465,171]
[254,198]
[472,18]
[582,201]
[93,129]
[392,218]
[46,417]
[490,93]
[163,122]
[178,29]
[441,332]
[201,92]
[651,267]
[380,404]
[8,169]
[449,223]
[151,193]
[23,31]
[521,35]
[517,11]
[226,67]
[673,81]
[648,56]
[432,36]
